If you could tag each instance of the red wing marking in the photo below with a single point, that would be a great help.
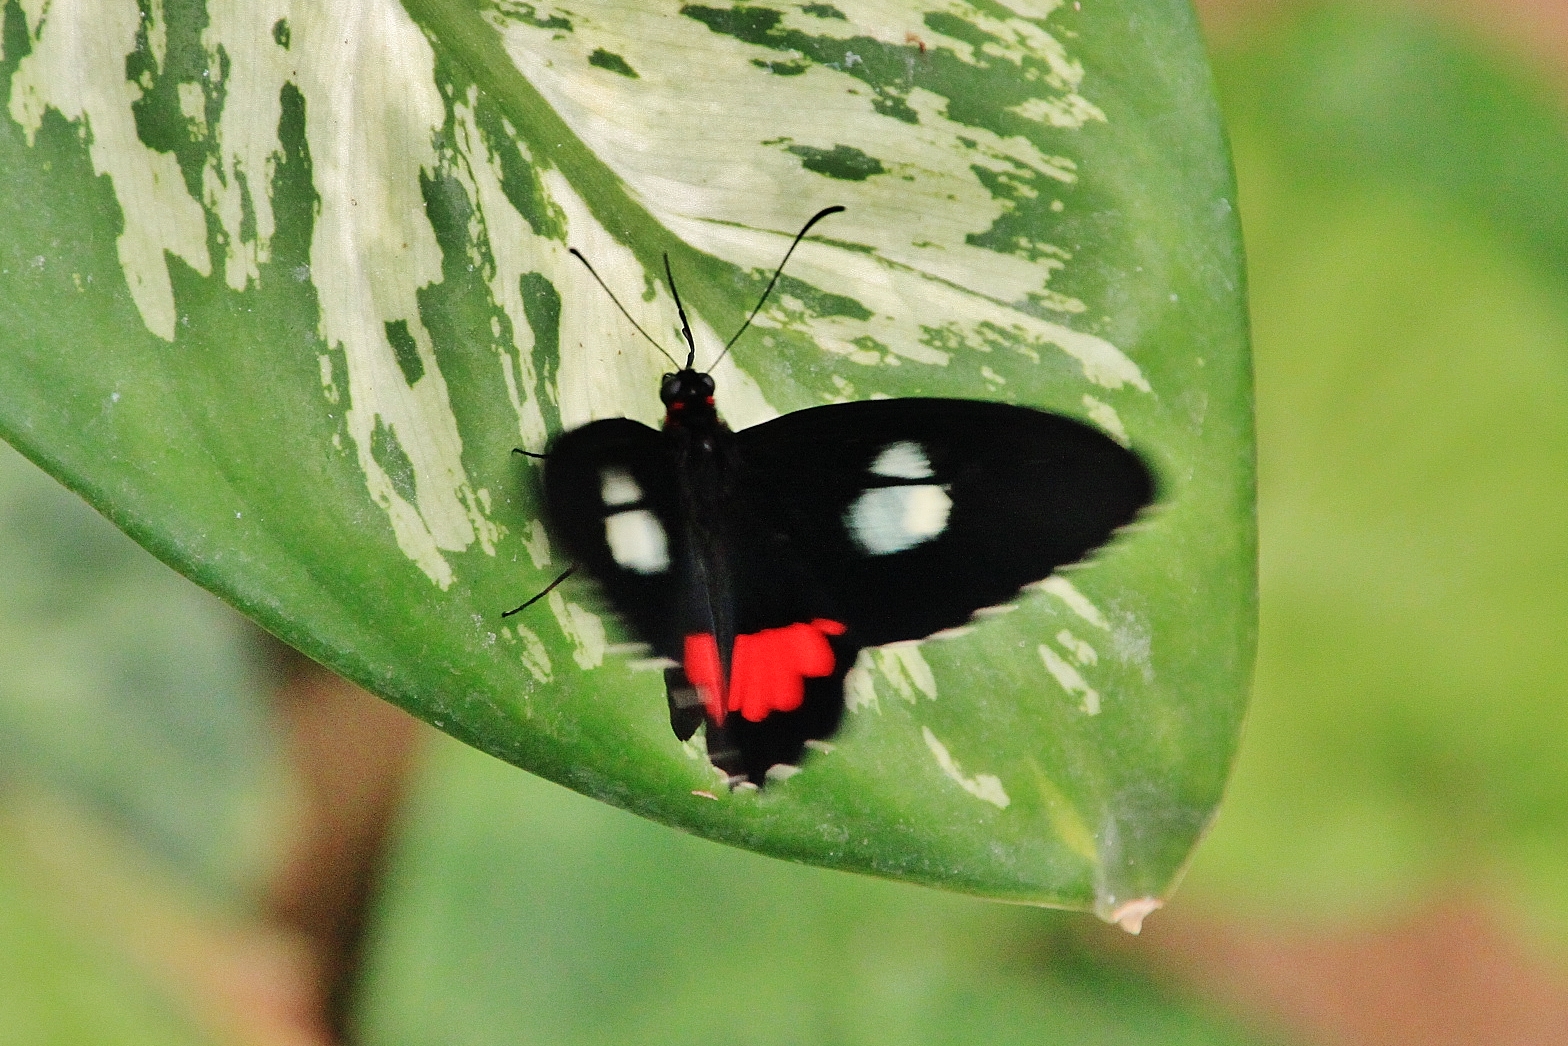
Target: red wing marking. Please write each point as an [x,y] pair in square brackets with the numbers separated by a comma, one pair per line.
[768,669]
[701,665]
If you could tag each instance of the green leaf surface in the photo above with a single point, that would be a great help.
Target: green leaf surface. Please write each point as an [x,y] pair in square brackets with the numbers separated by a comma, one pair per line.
[284,287]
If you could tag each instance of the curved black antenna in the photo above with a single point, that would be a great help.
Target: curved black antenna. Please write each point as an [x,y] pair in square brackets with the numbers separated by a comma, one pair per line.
[691,346]
[815,218]
[579,256]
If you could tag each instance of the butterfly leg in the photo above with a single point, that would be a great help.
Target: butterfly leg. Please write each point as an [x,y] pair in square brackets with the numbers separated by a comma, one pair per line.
[547,590]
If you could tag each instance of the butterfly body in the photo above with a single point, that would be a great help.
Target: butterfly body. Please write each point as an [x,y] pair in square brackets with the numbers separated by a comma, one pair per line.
[762,561]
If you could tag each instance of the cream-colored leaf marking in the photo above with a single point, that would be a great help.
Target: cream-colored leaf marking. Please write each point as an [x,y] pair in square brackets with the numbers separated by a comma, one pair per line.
[373,249]
[606,370]
[584,628]
[713,165]
[1076,601]
[328,386]
[1105,416]
[365,73]
[1071,680]
[537,542]
[905,669]
[515,250]
[77,67]
[533,655]
[860,689]
[1081,652]
[982,786]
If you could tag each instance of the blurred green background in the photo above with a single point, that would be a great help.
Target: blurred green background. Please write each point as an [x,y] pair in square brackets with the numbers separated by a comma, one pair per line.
[1404,193]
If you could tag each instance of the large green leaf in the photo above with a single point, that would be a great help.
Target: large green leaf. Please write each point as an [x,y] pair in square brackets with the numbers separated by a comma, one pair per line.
[285,284]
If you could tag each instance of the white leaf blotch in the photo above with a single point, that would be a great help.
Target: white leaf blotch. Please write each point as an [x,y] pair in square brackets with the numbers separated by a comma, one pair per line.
[77,68]
[1076,601]
[584,628]
[1071,681]
[533,655]
[1080,651]
[1105,416]
[982,786]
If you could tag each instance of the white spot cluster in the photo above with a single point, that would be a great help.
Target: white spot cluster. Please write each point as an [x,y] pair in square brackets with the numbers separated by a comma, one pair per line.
[885,520]
[635,536]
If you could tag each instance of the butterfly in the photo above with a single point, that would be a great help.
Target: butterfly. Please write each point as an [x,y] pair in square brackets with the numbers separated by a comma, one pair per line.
[759,563]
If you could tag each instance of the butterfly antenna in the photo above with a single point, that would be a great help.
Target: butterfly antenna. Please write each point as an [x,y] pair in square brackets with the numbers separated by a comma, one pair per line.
[801,235]
[579,256]
[691,346]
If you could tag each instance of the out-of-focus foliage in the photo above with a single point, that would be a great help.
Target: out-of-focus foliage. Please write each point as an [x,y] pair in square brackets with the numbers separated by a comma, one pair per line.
[521,913]
[1405,201]
[130,709]
[60,988]
[128,689]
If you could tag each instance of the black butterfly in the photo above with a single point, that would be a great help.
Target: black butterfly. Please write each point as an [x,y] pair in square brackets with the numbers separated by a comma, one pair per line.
[762,561]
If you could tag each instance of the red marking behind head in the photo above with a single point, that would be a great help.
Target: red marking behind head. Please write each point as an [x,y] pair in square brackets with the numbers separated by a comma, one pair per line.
[768,669]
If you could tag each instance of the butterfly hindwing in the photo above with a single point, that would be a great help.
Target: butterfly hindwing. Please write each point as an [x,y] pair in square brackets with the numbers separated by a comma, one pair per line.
[915,513]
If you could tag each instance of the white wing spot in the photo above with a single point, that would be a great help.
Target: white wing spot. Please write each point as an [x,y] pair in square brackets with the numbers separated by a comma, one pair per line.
[902,460]
[885,520]
[637,541]
[617,487]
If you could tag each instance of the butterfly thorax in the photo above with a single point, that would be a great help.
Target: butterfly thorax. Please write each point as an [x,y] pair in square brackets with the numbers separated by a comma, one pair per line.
[702,448]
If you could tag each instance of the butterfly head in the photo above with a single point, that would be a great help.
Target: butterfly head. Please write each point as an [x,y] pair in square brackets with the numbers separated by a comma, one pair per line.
[688,397]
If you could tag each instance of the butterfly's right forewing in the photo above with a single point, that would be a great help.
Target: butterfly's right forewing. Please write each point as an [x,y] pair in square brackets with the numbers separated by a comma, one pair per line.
[613,504]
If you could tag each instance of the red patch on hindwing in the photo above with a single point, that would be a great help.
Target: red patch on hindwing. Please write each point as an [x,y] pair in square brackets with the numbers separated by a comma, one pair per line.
[768,669]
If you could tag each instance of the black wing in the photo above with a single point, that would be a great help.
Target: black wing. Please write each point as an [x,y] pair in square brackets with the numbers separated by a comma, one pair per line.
[612,503]
[915,513]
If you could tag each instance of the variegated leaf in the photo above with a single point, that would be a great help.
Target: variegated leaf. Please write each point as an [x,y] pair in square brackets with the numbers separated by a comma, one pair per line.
[285,282]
